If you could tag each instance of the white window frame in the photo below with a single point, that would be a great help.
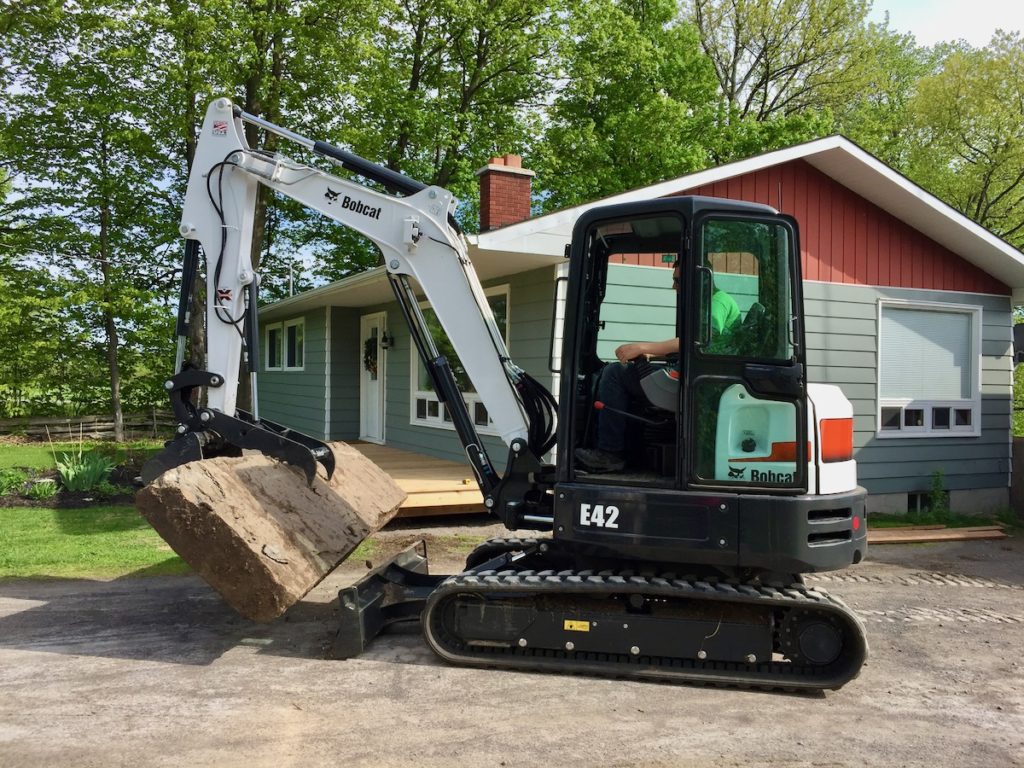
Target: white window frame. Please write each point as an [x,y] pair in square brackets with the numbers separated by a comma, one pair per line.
[928,406]
[472,398]
[301,323]
[267,345]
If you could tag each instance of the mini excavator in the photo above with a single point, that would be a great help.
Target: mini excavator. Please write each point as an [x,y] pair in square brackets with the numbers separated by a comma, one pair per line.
[686,563]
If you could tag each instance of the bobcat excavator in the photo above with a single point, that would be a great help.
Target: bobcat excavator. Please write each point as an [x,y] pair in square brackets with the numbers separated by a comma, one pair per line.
[686,564]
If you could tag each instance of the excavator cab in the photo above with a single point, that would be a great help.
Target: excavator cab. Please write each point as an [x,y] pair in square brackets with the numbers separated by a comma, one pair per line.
[718,282]
[718,441]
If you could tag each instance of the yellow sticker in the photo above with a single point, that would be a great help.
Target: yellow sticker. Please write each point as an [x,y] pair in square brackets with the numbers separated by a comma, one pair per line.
[576,626]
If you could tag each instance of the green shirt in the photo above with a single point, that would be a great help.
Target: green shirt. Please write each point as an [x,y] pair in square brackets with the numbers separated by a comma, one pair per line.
[725,312]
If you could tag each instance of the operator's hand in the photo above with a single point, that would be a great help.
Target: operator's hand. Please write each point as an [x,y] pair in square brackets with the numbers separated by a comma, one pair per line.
[628,352]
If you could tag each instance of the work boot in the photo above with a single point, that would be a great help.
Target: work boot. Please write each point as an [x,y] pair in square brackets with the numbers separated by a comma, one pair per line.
[598,460]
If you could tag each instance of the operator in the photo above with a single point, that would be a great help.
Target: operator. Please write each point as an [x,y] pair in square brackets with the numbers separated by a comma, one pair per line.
[619,384]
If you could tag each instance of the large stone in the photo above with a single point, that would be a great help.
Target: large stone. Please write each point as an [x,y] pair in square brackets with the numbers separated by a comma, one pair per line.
[257,533]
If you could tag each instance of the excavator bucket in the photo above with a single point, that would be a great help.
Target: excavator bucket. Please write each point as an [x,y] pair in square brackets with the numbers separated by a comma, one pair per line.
[221,435]
[257,531]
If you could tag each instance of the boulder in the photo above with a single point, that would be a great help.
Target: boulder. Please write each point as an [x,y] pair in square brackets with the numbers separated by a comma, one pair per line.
[257,533]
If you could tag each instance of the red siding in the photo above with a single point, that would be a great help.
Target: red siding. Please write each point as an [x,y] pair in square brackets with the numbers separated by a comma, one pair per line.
[846,239]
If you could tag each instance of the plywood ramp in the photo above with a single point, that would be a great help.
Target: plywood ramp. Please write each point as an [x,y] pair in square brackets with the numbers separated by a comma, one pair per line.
[434,486]
[929,533]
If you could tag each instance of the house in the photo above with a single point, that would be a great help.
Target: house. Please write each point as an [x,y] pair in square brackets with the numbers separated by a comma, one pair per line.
[909,309]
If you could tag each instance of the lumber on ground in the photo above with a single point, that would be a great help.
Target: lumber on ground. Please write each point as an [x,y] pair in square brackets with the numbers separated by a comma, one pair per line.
[257,533]
[919,535]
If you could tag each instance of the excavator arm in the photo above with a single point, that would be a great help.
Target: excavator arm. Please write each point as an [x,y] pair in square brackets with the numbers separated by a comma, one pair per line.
[419,240]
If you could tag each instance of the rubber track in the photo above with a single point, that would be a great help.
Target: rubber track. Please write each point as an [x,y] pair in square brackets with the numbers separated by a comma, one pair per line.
[499,546]
[772,675]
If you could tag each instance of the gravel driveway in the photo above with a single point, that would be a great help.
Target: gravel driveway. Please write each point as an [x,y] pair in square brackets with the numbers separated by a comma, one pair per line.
[157,671]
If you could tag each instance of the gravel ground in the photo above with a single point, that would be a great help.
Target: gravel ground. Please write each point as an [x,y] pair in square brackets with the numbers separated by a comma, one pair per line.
[158,671]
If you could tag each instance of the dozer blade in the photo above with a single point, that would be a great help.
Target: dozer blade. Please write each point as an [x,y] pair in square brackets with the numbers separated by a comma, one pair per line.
[224,435]
[257,532]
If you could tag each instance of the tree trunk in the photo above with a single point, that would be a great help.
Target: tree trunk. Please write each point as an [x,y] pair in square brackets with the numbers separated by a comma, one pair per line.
[263,98]
[109,326]
[115,375]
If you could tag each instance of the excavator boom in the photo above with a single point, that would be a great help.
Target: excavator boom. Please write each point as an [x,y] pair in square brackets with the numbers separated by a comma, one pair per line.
[419,242]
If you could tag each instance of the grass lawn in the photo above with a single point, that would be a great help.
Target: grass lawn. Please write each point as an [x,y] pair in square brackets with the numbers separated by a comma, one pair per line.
[39,456]
[93,543]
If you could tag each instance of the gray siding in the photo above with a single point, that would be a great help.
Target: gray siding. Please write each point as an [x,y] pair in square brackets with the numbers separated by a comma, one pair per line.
[842,349]
[842,344]
[296,398]
[531,295]
[346,363]
[639,305]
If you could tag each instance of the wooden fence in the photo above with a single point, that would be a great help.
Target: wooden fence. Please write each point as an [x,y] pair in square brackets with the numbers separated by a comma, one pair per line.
[136,425]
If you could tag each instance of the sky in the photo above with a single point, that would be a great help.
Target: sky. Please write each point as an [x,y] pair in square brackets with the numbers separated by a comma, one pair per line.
[933,21]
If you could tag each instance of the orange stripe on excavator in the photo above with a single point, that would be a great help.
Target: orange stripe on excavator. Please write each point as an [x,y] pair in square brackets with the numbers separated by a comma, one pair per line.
[836,444]
[780,452]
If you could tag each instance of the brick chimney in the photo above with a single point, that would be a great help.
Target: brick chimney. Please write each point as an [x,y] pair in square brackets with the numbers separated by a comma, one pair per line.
[504,192]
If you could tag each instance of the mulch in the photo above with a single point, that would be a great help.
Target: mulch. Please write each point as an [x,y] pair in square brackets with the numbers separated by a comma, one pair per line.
[68,500]
[122,476]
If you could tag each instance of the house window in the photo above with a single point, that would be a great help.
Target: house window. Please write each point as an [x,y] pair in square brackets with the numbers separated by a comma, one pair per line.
[426,408]
[273,346]
[294,352]
[929,372]
[285,349]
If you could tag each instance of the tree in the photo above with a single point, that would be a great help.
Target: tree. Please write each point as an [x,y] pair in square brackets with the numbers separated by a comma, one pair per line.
[776,58]
[278,60]
[445,85]
[87,172]
[877,116]
[637,99]
[969,130]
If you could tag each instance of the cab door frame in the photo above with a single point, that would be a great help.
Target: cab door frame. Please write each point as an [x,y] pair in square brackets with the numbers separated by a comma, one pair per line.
[767,379]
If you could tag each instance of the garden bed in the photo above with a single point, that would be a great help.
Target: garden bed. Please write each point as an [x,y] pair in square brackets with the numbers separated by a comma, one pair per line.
[91,473]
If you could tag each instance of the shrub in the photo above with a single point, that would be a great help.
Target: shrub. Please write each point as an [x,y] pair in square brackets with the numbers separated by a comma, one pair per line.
[83,471]
[938,498]
[11,480]
[41,489]
[108,490]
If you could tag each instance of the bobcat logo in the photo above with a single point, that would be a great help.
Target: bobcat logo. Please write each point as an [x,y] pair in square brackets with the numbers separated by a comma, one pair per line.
[331,195]
[736,472]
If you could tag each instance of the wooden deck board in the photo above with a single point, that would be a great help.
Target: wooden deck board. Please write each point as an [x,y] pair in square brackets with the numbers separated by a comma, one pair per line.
[434,485]
[923,535]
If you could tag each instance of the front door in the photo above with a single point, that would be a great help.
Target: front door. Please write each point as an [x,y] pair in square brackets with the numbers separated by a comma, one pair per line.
[371,377]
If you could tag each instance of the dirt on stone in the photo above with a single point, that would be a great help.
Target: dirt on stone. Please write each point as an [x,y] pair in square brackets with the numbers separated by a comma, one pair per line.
[257,533]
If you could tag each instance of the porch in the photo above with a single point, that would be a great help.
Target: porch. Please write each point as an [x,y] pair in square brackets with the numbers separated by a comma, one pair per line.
[435,486]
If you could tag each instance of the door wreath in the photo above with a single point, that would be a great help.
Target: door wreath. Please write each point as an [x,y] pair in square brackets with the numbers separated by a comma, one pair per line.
[370,356]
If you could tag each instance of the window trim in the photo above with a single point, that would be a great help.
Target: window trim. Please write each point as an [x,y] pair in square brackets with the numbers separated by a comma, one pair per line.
[267,345]
[975,312]
[300,322]
[438,422]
